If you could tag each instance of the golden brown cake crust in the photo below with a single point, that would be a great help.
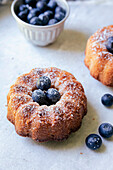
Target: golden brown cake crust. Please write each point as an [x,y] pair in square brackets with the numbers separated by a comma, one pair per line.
[43,123]
[98,59]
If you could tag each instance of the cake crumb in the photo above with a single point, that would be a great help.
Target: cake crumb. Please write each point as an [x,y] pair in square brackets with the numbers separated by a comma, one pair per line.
[81,153]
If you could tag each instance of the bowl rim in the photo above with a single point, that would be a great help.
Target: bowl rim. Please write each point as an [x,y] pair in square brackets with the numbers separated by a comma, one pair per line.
[37,26]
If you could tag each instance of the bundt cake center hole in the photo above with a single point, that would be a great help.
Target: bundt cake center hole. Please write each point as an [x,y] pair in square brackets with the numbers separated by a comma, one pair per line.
[44,93]
[43,97]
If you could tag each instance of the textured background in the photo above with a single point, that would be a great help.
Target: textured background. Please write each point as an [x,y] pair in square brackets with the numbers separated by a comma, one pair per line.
[17,56]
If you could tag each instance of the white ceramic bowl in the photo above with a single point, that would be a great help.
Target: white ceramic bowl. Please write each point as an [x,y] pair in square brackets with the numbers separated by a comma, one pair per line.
[40,35]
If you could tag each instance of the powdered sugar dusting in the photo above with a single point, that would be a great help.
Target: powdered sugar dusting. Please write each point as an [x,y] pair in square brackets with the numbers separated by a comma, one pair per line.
[19,99]
[64,112]
[98,43]
[16,88]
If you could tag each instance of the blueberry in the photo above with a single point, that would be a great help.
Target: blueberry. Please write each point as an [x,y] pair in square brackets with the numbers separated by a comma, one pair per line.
[59,9]
[53,95]
[107,100]
[52,21]
[109,44]
[59,16]
[106,130]
[35,21]
[41,6]
[33,13]
[43,83]
[44,19]
[31,2]
[49,14]
[23,14]
[52,5]
[39,96]
[93,141]
[46,1]
[35,10]
[28,7]
[22,7]
[30,15]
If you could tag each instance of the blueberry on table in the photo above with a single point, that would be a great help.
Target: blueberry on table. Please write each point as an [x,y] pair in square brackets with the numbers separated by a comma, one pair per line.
[39,96]
[106,130]
[33,13]
[109,44]
[52,21]
[23,14]
[49,14]
[107,100]
[59,16]
[43,83]
[35,21]
[31,2]
[93,141]
[52,5]
[44,19]
[53,95]
[41,6]
[59,9]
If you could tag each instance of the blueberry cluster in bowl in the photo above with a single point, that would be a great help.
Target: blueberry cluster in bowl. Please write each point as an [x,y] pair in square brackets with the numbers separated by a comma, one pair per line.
[44,95]
[41,12]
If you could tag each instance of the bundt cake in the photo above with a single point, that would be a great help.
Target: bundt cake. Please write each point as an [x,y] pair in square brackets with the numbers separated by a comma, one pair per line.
[99,55]
[46,122]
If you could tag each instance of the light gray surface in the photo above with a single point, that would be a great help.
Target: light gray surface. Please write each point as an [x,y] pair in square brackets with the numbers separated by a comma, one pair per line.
[17,56]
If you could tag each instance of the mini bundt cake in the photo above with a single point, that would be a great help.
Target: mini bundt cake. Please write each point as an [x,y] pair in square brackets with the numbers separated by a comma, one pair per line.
[99,55]
[44,122]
